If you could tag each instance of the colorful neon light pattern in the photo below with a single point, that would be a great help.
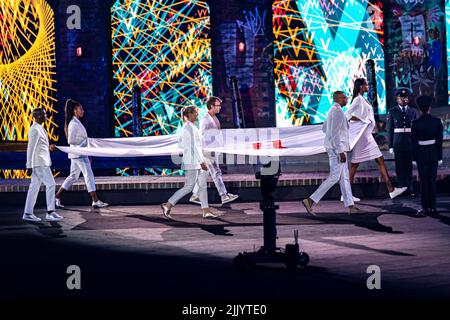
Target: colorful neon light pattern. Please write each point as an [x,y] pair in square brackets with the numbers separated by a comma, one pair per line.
[27,70]
[27,66]
[164,47]
[321,46]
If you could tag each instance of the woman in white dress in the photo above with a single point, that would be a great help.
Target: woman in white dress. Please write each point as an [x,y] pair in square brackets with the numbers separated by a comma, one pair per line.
[366,148]
[193,164]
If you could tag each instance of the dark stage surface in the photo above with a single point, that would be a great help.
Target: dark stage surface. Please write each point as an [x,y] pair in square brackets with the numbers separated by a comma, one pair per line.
[133,252]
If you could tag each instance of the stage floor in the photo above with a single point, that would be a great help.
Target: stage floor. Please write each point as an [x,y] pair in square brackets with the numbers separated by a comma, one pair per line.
[152,190]
[133,252]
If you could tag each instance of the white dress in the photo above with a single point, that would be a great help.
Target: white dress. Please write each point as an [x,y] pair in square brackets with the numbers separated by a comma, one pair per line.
[366,148]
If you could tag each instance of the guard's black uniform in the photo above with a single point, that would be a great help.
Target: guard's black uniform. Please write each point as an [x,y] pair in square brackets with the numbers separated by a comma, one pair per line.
[426,134]
[399,127]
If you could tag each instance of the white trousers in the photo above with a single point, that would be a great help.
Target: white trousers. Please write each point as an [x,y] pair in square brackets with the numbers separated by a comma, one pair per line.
[338,173]
[77,166]
[216,175]
[193,176]
[41,175]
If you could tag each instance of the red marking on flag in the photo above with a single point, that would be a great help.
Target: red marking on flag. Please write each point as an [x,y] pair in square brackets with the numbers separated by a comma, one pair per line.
[257,145]
[278,145]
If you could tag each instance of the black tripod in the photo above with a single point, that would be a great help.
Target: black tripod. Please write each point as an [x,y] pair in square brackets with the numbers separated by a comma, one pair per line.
[269,253]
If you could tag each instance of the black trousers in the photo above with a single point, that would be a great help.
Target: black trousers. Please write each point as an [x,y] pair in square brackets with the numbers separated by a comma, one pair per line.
[403,169]
[428,175]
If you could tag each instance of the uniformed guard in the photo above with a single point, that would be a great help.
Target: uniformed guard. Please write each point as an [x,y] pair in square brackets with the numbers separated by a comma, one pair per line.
[399,127]
[427,134]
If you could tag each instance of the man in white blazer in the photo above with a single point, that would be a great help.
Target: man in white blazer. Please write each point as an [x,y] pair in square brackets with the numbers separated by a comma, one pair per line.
[208,124]
[336,144]
[39,162]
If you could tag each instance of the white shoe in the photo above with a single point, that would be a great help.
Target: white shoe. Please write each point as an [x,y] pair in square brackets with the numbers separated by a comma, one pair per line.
[53,216]
[355,210]
[228,197]
[166,211]
[30,217]
[99,204]
[211,215]
[195,199]
[355,199]
[58,203]
[397,192]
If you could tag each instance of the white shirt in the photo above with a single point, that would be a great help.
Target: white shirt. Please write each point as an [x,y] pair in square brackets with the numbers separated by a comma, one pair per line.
[76,136]
[38,153]
[336,130]
[209,130]
[403,109]
[191,143]
[208,122]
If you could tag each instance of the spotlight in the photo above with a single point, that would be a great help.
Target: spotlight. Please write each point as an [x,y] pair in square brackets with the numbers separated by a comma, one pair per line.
[241,46]
[79,51]
[416,41]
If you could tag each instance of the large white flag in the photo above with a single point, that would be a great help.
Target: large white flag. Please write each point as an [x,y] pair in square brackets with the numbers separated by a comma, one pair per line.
[269,142]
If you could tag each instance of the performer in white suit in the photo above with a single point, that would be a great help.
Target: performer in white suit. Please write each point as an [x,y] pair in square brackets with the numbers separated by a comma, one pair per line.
[39,162]
[366,148]
[193,164]
[337,144]
[77,137]
[208,126]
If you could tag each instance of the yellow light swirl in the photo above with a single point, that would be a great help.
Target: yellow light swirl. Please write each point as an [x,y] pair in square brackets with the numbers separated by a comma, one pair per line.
[27,66]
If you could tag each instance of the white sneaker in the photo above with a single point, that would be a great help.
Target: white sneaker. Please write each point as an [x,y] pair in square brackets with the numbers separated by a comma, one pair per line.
[30,217]
[166,211]
[53,216]
[355,199]
[228,198]
[397,192]
[355,210]
[211,215]
[99,204]
[58,203]
[195,199]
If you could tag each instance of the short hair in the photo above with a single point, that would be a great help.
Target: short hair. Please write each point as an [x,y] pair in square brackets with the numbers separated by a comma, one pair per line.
[211,101]
[188,110]
[336,94]
[38,110]
[424,103]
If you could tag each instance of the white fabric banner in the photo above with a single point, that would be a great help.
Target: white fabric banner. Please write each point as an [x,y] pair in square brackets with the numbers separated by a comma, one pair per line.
[268,142]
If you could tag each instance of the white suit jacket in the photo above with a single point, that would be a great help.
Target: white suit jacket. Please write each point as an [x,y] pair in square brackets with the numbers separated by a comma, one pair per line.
[209,131]
[208,123]
[336,130]
[191,143]
[76,136]
[38,153]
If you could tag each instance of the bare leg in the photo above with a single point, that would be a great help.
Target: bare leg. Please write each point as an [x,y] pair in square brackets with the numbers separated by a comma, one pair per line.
[205,210]
[310,202]
[353,168]
[60,192]
[384,173]
[168,205]
[94,196]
